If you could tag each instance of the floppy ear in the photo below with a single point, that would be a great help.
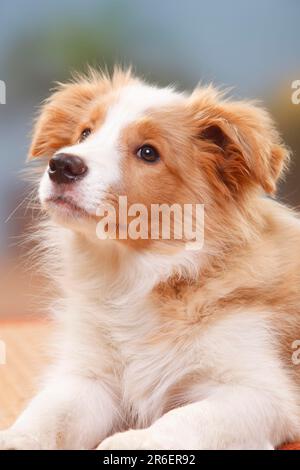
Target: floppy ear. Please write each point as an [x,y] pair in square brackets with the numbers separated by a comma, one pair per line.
[240,139]
[59,118]
[62,112]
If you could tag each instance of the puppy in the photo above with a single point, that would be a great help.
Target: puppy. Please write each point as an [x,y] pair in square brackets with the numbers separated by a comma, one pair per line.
[161,346]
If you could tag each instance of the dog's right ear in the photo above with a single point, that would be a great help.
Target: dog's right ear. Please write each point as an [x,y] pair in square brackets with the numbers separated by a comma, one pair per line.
[59,118]
[66,107]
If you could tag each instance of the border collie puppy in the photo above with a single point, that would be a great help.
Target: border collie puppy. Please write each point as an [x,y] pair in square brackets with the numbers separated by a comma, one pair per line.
[160,346]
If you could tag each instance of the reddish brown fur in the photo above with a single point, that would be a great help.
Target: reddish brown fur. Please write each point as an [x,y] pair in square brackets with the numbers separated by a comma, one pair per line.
[226,155]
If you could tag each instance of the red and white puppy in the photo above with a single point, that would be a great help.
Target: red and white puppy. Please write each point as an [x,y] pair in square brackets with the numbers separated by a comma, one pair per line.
[160,347]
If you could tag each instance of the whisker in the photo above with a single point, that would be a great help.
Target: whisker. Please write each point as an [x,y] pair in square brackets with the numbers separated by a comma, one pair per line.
[16,208]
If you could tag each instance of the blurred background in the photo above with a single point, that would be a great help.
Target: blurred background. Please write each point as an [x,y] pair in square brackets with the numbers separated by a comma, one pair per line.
[251,46]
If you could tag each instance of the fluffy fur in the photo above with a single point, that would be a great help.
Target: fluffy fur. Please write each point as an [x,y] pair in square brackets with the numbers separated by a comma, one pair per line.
[159,347]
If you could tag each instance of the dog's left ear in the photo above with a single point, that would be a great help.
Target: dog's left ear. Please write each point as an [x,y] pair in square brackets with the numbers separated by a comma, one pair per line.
[240,139]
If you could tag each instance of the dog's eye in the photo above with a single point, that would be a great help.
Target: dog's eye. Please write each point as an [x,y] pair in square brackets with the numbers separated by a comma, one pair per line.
[148,153]
[84,134]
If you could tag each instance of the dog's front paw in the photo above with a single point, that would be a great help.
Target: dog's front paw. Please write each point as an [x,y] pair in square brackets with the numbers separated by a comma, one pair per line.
[132,440]
[14,440]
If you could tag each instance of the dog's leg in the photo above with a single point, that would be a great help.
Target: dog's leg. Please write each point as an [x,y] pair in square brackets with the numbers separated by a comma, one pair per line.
[233,417]
[71,412]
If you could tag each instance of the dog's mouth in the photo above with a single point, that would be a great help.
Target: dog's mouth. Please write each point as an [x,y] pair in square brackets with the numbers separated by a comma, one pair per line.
[67,206]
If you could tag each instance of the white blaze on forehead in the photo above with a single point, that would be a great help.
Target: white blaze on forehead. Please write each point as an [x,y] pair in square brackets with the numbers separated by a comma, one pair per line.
[101,151]
[135,100]
[132,103]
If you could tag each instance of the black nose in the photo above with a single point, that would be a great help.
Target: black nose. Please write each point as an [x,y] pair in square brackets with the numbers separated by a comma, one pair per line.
[65,168]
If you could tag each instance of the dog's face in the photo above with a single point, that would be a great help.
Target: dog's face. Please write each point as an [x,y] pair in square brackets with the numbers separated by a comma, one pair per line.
[105,137]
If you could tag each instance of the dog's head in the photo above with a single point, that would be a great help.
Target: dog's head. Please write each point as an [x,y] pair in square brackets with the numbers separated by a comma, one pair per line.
[105,137]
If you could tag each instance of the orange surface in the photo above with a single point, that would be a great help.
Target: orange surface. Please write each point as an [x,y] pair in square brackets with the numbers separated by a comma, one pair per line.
[26,345]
